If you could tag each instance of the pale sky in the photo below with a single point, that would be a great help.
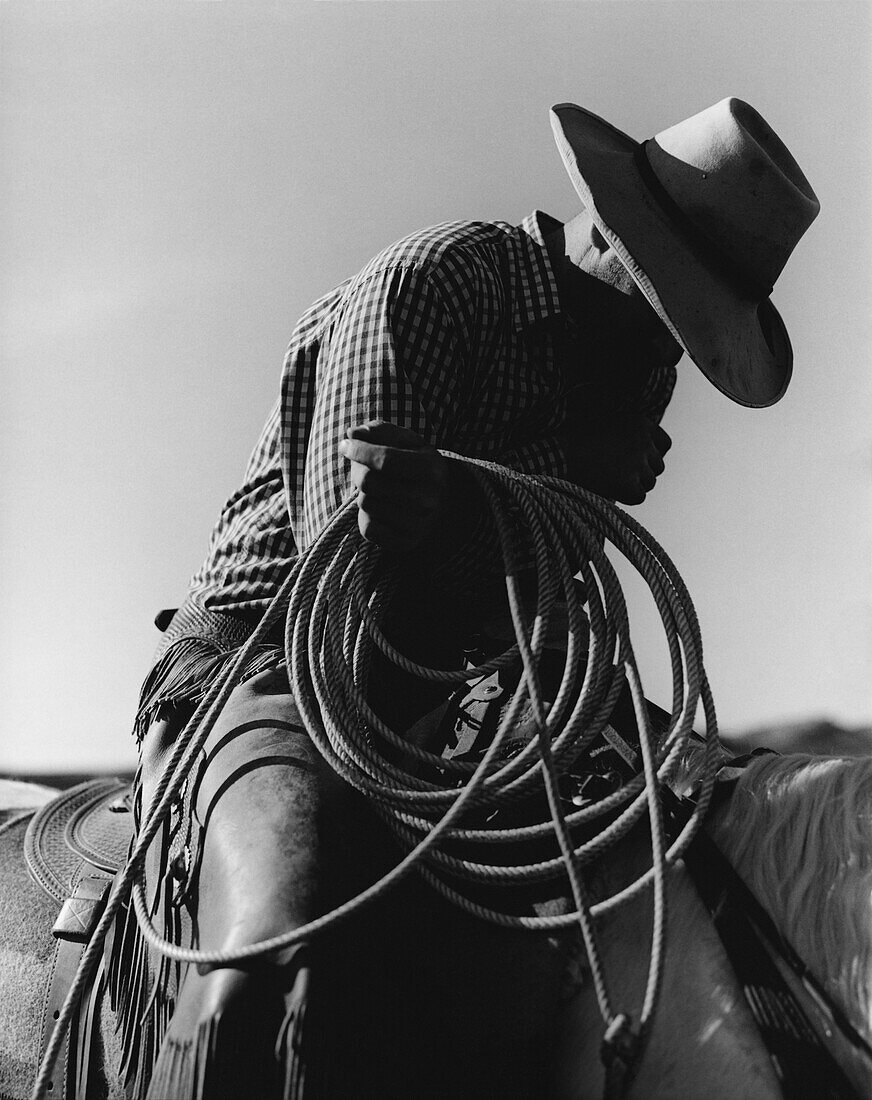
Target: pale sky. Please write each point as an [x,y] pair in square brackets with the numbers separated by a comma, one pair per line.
[180,181]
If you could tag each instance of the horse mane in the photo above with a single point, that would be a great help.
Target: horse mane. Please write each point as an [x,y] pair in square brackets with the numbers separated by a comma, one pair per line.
[798,829]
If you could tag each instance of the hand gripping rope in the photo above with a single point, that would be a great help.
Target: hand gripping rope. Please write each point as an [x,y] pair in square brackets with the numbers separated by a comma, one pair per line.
[334,600]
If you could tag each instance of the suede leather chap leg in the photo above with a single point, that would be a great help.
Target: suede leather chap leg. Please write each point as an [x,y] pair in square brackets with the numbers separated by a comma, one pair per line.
[261,793]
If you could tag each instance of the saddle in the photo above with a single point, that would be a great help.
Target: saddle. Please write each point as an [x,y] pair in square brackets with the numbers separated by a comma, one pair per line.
[74,846]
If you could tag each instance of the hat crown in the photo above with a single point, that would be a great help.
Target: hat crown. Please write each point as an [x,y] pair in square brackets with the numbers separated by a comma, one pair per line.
[737,183]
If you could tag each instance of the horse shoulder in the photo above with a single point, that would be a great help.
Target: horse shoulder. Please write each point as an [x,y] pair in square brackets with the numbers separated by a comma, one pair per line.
[703,1041]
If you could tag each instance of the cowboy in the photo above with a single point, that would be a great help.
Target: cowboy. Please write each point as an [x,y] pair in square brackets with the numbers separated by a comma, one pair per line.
[545,347]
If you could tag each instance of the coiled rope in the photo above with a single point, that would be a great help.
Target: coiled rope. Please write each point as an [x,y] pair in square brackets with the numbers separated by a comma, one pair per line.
[334,601]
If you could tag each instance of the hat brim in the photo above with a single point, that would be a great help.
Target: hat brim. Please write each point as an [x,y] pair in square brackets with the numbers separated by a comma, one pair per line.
[740,345]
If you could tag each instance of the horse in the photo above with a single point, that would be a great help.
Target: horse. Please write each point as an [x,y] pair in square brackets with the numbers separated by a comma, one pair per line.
[413,996]
[797,828]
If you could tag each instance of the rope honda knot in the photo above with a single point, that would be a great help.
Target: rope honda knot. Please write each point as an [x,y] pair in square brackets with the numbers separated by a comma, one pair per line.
[620,1050]
[621,1041]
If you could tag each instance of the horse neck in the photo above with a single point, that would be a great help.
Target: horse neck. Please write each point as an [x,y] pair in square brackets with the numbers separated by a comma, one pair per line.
[798,829]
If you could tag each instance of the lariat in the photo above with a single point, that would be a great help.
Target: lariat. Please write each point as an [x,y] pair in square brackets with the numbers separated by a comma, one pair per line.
[334,602]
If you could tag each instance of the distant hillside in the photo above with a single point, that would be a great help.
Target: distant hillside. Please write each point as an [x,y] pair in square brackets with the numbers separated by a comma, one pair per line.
[62,780]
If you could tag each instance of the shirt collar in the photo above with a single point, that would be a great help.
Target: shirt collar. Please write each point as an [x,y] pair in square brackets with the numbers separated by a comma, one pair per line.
[535,296]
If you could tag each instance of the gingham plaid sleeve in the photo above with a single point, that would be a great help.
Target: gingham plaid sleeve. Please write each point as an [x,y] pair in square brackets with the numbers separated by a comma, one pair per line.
[393,354]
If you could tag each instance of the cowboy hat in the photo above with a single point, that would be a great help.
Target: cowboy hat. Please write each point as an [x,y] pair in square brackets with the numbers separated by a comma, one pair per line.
[704,217]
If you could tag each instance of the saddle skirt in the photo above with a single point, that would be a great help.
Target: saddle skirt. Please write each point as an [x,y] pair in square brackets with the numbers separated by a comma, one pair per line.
[84,830]
[74,846]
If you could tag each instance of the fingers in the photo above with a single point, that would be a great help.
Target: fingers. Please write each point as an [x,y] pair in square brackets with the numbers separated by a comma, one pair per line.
[394,461]
[384,531]
[401,483]
[418,496]
[396,522]
[386,434]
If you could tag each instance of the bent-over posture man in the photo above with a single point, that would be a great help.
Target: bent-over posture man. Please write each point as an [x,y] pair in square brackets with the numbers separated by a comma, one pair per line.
[545,347]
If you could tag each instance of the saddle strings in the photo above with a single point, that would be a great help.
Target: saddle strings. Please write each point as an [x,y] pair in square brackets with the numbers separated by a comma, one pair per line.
[333,601]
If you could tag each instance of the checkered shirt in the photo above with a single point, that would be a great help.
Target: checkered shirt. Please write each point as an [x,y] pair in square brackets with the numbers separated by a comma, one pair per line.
[454,332]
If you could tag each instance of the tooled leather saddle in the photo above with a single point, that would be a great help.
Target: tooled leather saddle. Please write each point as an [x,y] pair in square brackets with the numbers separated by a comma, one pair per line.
[74,846]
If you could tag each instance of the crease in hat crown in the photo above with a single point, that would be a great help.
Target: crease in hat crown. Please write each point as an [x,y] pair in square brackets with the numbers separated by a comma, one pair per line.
[736,180]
